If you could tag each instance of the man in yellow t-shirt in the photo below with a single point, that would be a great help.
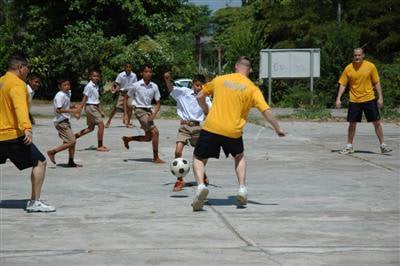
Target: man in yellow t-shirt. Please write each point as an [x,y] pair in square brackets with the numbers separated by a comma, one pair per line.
[361,77]
[233,97]
[16,130]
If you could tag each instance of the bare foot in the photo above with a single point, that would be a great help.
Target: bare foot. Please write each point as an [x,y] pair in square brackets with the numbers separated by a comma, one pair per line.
[158,160]
[129,126]
[107,125]
[126,142]
[52,156]
[102,148]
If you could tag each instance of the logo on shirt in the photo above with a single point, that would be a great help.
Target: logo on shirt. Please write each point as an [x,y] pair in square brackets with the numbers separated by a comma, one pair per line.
[234,86]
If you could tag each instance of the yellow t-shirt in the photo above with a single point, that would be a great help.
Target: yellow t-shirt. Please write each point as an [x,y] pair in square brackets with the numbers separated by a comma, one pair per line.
[14,115]
[360,81]
[233,97]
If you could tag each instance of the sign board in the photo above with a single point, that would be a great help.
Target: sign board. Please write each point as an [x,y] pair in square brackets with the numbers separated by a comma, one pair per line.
[289,63]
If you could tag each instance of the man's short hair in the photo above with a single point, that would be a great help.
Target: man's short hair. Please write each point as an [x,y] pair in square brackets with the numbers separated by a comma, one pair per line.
[17,60]
[358,49]
[200,78]
[244,60]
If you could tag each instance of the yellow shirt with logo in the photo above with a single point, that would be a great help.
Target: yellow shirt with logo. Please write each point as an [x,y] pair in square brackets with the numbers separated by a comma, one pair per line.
[360,81]
[233,97]
[14,115]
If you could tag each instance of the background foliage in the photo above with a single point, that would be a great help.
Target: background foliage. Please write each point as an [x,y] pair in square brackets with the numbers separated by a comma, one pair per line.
[69,37]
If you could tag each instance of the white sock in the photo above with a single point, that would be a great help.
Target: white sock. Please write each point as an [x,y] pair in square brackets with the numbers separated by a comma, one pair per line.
[383,144]
[201,186]
[349,145]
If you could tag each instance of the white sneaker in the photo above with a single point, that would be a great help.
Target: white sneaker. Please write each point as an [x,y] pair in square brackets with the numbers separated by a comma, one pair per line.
[385,148]
[241,196]
[347,150]
[199,198]
[39,206]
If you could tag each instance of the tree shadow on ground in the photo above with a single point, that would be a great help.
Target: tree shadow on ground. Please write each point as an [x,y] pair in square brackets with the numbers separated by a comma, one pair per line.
[13,204]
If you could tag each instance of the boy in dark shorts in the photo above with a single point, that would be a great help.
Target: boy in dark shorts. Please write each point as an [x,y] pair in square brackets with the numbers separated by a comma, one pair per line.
[63,110]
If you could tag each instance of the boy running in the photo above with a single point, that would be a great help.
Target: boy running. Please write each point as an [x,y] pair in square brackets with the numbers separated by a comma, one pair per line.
[63,110]
[142,93]
[94,115]
[191,116]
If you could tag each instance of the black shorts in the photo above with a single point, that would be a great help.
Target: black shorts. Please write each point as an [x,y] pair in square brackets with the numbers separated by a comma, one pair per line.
[209,145]
[23,156]
[369,108]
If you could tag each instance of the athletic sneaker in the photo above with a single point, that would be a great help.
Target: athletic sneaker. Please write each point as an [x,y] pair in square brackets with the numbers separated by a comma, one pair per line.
[39,206]
[241,196]
[385,148]
[199,198]
[347,150]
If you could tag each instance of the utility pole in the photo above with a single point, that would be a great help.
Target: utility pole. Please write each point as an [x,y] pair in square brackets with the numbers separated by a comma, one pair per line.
[219,59]
[339,12]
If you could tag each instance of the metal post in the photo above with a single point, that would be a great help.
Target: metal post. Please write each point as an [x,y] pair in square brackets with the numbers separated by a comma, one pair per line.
[269,79]
[312,75]
[219,60]
[199,71]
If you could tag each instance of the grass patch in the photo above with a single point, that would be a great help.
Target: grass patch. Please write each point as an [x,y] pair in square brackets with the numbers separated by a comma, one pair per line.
[314,113]
[169,113]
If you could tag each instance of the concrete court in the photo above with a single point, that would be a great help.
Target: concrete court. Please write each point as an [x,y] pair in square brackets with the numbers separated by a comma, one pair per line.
[308,205]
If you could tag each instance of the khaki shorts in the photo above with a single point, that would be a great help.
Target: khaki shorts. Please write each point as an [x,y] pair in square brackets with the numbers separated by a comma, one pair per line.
[120,102]
[93,115]
[65,131]
[188,134]
[142,115]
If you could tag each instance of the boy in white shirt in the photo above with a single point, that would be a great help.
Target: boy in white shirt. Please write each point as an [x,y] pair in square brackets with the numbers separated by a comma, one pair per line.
[63,110]
[124,80]
[191,116]
[142,93]
[32,86]
[94,114]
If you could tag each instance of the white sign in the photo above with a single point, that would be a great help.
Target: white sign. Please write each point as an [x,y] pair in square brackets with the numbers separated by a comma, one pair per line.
[289,63]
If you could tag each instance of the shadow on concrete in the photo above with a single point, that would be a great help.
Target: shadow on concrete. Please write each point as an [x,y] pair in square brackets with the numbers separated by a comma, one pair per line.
[179,196]
[65,165]
[90,148]
[13,204]
[143,160]
[358,151]
[231,200]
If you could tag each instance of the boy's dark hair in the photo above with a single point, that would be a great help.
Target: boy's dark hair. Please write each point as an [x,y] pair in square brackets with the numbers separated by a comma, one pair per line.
[94,70]
[62,80]
[16,60]
[33,76]
[144,66]
[199,77]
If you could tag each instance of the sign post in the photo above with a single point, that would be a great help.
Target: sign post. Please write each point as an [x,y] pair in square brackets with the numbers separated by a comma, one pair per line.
[288,64]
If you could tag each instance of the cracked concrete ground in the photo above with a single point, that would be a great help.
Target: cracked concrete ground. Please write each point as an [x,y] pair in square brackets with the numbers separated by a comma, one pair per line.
[308,205]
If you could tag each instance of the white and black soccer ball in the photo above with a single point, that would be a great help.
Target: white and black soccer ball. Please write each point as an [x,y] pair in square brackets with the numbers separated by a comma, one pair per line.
[180,167]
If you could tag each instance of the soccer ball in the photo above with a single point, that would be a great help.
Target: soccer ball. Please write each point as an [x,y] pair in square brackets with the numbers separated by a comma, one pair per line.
[180,167]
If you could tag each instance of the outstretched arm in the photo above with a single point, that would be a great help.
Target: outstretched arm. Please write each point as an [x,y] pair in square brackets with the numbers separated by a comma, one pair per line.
[274,123]
[168,81]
